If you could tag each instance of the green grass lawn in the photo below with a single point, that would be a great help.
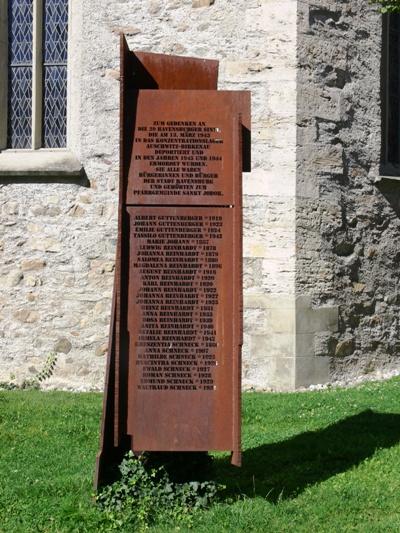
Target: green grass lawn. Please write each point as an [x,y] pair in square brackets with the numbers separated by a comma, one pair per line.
[312,462]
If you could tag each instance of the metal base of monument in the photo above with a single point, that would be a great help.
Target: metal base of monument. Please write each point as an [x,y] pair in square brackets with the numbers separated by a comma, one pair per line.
[182,466]
[173,375]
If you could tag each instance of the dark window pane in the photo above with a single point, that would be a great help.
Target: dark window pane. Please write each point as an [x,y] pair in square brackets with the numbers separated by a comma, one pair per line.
[55,37]
[55,33]
[55,106]
[393,127]
[20,107]
[20,27]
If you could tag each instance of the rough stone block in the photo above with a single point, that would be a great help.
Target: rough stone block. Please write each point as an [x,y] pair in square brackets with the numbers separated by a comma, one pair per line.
[345,348]
[101,350]
[45,244]
[27,316]
[328,160]
[63,345]
[32,264]
[325,344]
[11,279]
[202,3]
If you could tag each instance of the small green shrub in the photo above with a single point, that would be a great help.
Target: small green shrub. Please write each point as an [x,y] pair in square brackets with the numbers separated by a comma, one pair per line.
[34,382]
[46,372]
[146,496]
[8,385]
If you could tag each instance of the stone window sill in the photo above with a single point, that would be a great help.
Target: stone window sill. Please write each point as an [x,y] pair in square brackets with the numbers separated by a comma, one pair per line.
[378,179]
[39,163]
[388,171]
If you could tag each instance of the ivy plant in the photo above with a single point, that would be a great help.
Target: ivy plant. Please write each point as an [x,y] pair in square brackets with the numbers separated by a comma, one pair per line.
[145,496]
[388,6]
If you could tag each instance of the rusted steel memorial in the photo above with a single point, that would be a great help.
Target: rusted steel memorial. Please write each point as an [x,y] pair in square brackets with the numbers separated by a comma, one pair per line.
[174,358]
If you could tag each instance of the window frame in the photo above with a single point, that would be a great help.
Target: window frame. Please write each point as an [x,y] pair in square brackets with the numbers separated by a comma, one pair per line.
[388,167]
[39,161]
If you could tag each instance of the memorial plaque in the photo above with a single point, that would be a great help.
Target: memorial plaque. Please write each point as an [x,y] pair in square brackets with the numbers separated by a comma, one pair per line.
[184,149]
[174,359]
[181,327]
[184,281]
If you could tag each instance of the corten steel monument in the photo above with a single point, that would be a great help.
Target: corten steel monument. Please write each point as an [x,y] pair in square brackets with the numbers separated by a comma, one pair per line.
[174,358]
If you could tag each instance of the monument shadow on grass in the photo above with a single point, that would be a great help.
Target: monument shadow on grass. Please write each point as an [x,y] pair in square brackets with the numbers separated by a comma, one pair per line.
[282,470]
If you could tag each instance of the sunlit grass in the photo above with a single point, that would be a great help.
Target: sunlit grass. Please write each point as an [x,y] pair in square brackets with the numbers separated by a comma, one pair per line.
[315,461]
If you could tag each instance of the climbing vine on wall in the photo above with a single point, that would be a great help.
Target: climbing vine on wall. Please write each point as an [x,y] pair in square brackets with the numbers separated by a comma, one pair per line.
[388,6]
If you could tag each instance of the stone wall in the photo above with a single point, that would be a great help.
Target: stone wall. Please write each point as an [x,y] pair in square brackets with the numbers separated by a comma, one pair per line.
[347,225]
[321,259]
[58,236]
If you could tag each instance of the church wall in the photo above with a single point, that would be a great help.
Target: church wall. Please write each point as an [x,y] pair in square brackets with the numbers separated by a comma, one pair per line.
[58,236]
[347,221]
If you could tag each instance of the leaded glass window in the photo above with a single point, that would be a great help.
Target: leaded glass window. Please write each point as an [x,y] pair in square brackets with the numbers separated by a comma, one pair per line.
[20,42]
[37,73]
[55,73]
